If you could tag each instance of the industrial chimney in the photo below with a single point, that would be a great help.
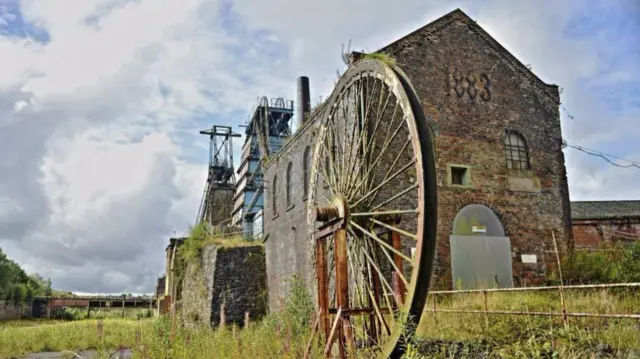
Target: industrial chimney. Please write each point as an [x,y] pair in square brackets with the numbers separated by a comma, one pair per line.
[303,103]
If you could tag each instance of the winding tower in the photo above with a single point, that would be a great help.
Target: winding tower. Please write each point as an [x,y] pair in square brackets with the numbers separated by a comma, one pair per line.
[266,131]
[217,199]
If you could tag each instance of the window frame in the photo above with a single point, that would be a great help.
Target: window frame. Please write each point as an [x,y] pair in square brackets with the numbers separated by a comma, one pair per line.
[516,154]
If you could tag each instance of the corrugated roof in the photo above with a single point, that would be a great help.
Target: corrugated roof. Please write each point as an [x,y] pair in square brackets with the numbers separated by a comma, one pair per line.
[604,209]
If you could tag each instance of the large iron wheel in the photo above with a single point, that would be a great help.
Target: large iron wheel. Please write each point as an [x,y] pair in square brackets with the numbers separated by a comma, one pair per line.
[372,210]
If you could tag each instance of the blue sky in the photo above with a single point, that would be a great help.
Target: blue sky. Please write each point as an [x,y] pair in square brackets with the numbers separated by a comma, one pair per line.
[101,102]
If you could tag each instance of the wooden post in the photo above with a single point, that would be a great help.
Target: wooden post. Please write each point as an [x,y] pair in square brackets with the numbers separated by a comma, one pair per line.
[342,288]
[565,319]
[323,288]
[486,310]
[398,284]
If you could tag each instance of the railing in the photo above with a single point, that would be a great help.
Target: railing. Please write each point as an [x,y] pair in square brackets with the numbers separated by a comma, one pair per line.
[560,288]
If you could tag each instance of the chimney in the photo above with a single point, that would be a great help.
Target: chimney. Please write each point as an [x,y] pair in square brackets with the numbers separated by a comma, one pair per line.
[303,103]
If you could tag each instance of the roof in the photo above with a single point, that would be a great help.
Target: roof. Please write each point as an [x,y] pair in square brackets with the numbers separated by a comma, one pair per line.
[605,209]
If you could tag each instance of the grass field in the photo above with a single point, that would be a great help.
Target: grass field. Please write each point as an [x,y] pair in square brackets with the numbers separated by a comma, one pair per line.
[446,335]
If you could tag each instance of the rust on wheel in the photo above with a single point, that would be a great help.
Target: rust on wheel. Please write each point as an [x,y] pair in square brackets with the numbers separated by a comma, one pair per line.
[372,210]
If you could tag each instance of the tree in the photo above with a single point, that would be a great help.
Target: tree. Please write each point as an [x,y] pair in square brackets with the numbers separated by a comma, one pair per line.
[48,291]
[19,294]
[29,295]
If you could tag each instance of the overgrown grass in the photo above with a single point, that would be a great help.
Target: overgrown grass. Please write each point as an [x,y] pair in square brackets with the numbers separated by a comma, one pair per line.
[534,336]
[285,334]
[386,58]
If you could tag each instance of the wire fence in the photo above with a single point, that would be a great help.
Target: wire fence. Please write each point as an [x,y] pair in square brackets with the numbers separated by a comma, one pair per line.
[560,288]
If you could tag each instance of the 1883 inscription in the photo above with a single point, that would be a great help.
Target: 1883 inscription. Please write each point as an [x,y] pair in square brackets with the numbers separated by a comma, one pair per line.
[473,85]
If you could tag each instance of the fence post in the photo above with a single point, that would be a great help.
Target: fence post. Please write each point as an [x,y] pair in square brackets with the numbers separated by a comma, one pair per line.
[486,310]
[562,301]
[435,318]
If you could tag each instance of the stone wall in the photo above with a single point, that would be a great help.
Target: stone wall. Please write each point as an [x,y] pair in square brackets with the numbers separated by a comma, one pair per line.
[473,91]
[235,276]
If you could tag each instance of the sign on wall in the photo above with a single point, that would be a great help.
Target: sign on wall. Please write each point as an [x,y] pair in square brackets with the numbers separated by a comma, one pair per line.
[529,258]
[479,229]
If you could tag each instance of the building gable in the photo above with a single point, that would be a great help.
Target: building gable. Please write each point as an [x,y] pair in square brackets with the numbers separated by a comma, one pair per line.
[430,31]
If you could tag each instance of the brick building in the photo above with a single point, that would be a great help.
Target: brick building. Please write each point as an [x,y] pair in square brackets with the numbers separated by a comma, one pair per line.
[599,222]
[499,158]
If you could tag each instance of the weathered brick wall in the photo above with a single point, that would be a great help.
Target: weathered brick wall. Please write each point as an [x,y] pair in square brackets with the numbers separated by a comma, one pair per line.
[593,233]
[470,125]
[235,276]
[470,132]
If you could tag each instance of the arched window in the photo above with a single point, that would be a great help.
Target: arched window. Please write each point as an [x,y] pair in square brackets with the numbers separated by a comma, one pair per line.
[274,195]
[306,168]
[289,173]
[517,152]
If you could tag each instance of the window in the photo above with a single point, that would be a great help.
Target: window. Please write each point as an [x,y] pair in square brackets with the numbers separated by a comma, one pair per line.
[459,176]
[289,173]
[274,195]
[306,167]
[516,150]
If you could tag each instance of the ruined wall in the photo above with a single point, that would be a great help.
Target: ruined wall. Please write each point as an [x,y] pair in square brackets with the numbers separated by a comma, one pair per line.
[235,276]
[592,233]
[10,311]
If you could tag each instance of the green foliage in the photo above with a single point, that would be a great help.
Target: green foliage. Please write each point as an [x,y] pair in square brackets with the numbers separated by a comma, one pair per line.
[16,283]
[617,264]
[298,306]
[386,58]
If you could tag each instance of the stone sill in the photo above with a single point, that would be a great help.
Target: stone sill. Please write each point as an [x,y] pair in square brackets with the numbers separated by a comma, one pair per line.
[464,186]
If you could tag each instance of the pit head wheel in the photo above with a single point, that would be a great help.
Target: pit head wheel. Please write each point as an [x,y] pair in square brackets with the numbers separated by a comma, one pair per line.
[372,211]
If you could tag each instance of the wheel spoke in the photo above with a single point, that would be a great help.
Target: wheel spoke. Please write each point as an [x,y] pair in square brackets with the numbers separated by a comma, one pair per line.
[392,228]
[385,182]
[396,196]
[381,242]
[384,213]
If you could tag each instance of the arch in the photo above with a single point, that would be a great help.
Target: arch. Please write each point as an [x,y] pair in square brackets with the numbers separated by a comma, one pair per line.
[477,215]
[516,150]
[274,195]
[306,169]
[288,184]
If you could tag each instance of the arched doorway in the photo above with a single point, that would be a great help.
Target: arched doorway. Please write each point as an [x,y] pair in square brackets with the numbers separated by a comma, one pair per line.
[480,251]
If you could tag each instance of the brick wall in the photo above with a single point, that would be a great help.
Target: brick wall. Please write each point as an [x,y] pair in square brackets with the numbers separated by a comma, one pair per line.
[470,125]
[592,233]
[470,132]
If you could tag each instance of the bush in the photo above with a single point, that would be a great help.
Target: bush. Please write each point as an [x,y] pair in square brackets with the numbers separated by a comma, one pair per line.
[620,263]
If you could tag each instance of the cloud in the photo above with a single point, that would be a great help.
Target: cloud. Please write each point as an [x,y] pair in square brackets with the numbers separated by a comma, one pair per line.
[101,101]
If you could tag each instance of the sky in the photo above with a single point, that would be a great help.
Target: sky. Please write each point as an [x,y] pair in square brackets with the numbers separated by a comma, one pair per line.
[101,102]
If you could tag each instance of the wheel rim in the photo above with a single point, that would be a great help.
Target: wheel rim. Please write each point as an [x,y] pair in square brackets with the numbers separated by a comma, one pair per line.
[373,203]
